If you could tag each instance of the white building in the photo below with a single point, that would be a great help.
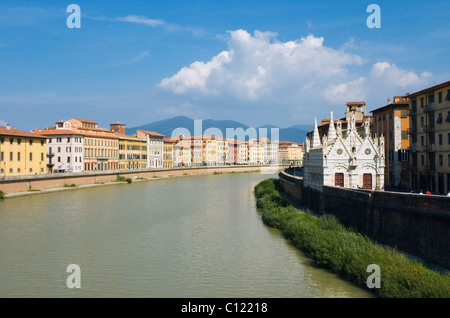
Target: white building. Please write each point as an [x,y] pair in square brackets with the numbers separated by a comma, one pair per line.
[182,156]
[255,152]
[270,150]
[155,148]
[242,153]
[345,160]
[65,149]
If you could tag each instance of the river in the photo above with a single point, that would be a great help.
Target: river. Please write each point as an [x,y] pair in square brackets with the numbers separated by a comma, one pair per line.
[181,237]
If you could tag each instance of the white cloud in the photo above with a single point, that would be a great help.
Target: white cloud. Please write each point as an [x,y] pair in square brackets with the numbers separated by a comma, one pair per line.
[302,77]
[384,79]
[136,59]
[3,123]
[141,20]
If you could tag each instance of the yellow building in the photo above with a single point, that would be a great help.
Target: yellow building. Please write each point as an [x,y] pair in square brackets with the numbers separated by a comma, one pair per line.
[22,153]
[132,150]
[290,153]
[132,153]
[168,152]
[429,111]
[392,122]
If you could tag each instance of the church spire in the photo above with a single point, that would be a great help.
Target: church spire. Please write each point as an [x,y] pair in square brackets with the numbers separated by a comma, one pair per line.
[315,140]
[331,130]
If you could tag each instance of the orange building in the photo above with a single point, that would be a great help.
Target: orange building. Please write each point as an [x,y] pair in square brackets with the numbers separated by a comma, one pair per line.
[392,122]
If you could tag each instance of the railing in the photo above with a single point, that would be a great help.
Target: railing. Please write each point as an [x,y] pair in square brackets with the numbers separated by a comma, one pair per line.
[430,107]
[412,131]
[430,148]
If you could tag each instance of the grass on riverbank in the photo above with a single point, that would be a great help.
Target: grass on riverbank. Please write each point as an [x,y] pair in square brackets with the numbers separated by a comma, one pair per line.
[347,252]
[2,195]
[123,179]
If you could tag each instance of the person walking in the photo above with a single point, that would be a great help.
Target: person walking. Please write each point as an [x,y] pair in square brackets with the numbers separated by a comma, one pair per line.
[428,192]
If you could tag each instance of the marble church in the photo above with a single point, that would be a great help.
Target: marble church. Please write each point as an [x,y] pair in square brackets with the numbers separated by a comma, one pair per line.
[348,158]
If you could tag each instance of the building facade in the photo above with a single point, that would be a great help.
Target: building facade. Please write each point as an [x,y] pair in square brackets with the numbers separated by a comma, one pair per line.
[132,150]
[392,122]
[255,152]
[429,111]
[155,148]
[65,149]
[168,161]
[344,159]
[21,153]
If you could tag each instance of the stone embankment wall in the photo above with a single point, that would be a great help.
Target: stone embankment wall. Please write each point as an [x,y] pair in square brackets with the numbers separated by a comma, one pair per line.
[417,224]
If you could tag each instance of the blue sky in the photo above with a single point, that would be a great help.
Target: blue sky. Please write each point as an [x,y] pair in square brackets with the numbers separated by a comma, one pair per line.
[258,62]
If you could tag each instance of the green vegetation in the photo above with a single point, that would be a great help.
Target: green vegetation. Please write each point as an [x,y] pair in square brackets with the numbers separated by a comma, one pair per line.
[2,195]
[33,190]
[70,185]
[346,252]
[123,179]
[217,172]
[185,174]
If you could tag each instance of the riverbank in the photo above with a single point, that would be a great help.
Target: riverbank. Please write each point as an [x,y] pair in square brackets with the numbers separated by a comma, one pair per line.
[63,182]
[346,252]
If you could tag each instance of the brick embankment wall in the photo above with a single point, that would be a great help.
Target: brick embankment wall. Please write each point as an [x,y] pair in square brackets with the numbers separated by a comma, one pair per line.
[50,181]
[417,224]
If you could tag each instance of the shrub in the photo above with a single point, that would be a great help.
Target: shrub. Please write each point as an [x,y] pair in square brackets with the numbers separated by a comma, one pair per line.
[2,195]
[123,179]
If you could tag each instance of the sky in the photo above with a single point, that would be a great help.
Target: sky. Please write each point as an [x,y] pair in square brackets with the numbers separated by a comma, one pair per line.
[254,61]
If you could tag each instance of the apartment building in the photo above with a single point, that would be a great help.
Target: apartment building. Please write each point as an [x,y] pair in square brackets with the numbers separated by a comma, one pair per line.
[429,136]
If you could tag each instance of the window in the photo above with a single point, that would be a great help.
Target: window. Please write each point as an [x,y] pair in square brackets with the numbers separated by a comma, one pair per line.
[448,95]
[441,160]
[18,156]
[439,120]
[431,98]
[2,170]
[31,141]
[448,138]
[59,159]
[68,159]
[18,170]
[42,169]
[49,141]
[59,149]
[440,97]
[2,156]
[440,139]
[2,140]
[76,159]
[403,155]
[10,170]
[42,156]
[11,156]
[421,121]
[404,134]
[422,141]
[68,139]
[31,170]
[448,160]
[448,118]
[42,142]
[421,102]
[422,159]
[31,156]
[11,140]
[19,140]
[404,114]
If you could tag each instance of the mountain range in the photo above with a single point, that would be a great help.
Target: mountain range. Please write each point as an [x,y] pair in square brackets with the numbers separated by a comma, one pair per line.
[295,133]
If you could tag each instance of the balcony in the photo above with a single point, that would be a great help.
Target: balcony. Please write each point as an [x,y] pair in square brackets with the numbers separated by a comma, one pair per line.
[50,155]
[412,131]
[428,128]
[430,107]
[429,148]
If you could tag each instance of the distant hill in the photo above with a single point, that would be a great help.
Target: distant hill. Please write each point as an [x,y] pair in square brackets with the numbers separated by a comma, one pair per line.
[167,126]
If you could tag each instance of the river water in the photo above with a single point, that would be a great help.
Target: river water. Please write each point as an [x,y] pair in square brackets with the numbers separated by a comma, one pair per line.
[183,237]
